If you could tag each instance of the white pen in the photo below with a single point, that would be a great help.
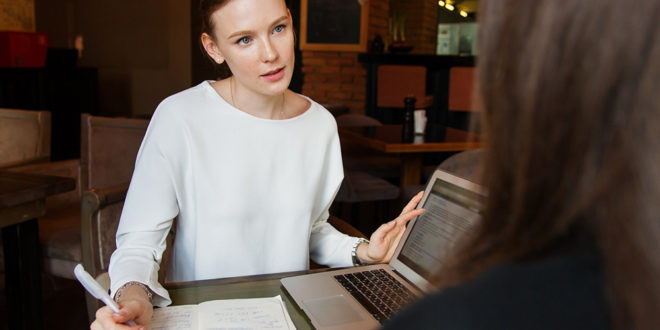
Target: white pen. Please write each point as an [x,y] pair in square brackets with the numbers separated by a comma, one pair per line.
[95,289]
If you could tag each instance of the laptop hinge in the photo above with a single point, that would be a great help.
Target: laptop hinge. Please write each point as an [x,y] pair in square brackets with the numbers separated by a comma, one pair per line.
[405,279]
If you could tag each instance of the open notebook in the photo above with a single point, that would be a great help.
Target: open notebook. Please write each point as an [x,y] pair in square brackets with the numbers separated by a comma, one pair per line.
[256,313]
[365,297]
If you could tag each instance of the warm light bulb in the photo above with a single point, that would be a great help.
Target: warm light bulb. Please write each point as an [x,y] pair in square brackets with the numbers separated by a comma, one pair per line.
[463,13]
[449,7]
[441,3]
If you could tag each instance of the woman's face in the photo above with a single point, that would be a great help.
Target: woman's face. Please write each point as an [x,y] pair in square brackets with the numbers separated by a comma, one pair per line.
[255,37]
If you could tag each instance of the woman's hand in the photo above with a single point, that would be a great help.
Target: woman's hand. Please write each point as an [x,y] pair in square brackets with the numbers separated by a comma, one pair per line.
[386,238]
[134,306]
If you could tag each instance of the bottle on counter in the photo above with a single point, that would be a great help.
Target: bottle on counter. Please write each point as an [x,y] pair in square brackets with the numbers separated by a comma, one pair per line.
[408,130]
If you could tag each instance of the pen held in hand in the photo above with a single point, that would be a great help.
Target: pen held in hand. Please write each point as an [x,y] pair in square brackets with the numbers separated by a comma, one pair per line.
[95,289]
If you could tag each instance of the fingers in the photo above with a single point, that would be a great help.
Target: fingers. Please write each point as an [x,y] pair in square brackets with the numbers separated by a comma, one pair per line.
[413,202]
[407,216]
[107,319]
[381,233]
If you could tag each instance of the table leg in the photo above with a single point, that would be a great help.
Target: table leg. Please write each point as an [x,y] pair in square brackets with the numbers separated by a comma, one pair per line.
[22,274]
[411,169]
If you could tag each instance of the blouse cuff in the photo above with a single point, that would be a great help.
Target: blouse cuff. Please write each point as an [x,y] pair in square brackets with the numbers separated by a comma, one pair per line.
[148,277]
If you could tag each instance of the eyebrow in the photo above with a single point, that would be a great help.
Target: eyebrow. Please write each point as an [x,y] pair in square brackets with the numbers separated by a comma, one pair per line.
[244,32]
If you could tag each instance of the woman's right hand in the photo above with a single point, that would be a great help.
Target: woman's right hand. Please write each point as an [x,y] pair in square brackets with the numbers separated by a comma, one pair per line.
[133,307]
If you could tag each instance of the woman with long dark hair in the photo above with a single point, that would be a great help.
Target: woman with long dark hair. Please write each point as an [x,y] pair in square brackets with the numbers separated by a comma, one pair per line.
[570,236]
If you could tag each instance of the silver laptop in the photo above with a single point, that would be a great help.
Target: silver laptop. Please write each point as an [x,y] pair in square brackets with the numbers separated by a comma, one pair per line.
[365,297]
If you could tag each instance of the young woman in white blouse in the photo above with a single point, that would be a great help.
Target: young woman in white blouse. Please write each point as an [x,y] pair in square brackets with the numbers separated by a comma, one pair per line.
[249,167]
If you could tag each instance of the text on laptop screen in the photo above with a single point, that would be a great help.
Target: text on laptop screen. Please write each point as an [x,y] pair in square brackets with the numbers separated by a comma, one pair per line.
[449,211]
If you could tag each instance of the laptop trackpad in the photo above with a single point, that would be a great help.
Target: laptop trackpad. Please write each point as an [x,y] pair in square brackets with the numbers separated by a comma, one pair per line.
[329,311]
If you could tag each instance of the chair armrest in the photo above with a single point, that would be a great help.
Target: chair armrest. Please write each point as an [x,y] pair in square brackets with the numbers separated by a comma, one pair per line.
[105,196]
[345,227]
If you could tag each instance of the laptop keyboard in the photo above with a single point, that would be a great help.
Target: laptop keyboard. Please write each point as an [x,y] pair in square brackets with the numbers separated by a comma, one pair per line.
[377,291]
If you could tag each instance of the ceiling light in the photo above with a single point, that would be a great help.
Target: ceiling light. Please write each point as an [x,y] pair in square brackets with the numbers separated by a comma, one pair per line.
[441,3]
[449,7]
[463,13]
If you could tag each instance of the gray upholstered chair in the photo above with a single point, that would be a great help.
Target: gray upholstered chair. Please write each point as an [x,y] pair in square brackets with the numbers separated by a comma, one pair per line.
[109,147]
[100,212]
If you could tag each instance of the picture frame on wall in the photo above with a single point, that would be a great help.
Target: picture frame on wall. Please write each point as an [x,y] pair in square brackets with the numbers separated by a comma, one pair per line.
[334,25]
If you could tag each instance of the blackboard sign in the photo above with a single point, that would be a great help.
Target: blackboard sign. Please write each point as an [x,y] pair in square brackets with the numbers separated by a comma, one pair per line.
[334,25]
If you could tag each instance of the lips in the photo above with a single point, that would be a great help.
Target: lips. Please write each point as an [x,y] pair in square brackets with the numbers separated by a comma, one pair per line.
[275,75]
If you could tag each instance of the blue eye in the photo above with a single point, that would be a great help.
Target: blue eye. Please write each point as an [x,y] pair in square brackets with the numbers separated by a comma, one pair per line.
[243,41]
[279,28]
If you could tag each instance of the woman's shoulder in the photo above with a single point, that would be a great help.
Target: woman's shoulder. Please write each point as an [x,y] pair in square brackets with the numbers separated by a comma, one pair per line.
[184,98]
[181,104]
[305,104]
[561,292]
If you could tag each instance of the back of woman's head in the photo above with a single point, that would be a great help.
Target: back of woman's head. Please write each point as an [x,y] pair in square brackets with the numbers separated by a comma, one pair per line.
[571,96]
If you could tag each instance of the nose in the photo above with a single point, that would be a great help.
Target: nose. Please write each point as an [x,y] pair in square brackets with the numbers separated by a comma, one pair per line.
[268,51]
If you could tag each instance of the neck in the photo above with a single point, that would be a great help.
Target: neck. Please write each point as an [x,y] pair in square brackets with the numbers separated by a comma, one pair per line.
[259,105]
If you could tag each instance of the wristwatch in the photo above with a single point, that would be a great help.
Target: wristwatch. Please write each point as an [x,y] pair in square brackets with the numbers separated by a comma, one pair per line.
[354,257]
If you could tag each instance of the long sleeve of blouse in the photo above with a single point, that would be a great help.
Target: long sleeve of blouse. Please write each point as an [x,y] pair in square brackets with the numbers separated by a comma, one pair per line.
[250,195]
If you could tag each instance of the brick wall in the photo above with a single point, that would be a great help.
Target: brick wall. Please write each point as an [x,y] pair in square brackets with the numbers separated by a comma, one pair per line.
[17,15]
[421,24]
[338,77]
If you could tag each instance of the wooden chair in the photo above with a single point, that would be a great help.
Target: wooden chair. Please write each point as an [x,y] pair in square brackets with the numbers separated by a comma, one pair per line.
[24,137]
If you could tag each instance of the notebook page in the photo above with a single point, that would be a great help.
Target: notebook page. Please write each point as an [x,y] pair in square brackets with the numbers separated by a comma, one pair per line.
[182,317]
[256,313]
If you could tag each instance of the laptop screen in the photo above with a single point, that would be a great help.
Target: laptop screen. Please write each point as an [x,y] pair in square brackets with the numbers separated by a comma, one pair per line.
[450,211]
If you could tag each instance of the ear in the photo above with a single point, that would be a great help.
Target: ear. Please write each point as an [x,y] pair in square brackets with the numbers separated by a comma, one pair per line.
[211,48]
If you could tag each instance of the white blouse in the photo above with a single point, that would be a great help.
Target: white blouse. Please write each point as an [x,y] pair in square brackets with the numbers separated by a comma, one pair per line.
[251,194]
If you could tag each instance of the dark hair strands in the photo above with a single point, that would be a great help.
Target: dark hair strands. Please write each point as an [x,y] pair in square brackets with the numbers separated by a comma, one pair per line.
[572,118]
[206,10]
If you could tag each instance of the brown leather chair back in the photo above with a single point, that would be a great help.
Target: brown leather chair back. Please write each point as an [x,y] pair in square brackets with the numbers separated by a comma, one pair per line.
[461,89]
[109,147]
[24,137]
[395,82]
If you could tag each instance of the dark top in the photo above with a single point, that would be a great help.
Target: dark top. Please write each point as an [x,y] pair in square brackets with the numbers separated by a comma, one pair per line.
[563,291]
